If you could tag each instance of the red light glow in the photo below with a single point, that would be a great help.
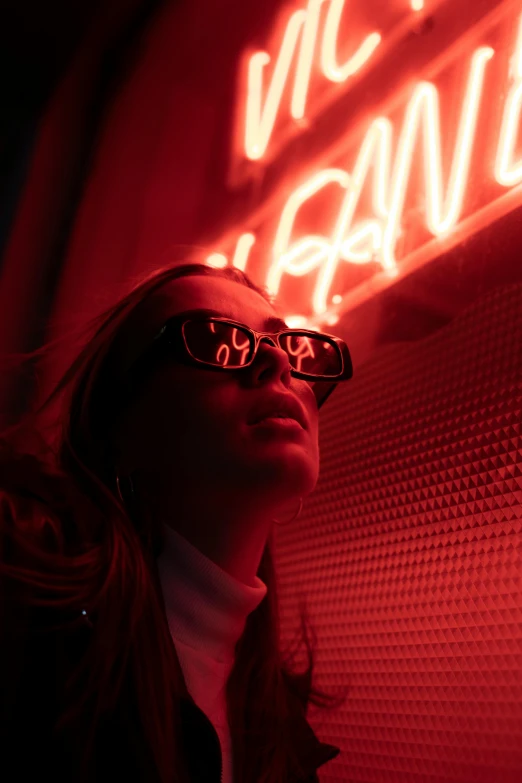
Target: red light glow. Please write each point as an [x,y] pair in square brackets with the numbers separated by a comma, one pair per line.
[302,26]
[383,168]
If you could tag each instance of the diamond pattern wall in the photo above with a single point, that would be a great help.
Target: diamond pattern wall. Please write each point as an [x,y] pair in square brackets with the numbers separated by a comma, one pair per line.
[409,554]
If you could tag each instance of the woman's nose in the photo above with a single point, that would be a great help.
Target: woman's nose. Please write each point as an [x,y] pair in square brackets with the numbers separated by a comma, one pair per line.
[269,354]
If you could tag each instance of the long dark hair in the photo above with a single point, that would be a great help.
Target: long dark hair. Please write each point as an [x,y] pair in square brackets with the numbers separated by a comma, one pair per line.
[103,562]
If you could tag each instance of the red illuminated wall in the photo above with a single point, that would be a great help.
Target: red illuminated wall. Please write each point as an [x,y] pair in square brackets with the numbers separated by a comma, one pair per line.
[409,552]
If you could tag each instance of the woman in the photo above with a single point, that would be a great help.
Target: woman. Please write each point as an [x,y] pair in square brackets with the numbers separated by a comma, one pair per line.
[140,636]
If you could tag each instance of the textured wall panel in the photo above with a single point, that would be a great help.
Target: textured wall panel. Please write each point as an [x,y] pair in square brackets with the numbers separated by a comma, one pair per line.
[409,552]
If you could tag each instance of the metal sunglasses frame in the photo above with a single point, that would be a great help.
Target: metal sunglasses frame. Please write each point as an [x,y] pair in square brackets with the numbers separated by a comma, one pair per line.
[172,333]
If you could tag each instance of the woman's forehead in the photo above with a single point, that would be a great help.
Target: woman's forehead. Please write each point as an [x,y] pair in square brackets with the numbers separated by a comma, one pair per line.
[234,300]
[196,292]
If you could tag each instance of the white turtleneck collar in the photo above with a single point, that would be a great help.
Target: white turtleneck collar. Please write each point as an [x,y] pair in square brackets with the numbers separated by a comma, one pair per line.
[207,610]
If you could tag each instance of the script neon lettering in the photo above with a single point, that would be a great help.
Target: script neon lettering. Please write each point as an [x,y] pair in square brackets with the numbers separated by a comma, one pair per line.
[374,239]
[260,121]
[507,173]
[314,248]
[424,106]
[304,63]
[243,247]
[422,112]
[303,24]
[329,67]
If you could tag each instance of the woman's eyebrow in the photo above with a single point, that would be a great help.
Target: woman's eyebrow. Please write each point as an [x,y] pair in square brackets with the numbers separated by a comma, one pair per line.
[272,322]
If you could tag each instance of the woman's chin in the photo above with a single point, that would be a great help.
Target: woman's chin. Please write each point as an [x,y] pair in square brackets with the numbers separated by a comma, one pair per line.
[292,471]
[291,461]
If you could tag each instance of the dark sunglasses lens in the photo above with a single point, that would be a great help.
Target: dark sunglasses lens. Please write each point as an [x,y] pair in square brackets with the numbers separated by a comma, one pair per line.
[312,355]
[224,345]
[218,343]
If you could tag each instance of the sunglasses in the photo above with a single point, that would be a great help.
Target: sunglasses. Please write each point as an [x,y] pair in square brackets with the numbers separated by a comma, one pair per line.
[201,338]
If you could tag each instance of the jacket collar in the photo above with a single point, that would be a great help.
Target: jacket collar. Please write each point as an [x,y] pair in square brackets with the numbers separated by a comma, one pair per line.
[312,752]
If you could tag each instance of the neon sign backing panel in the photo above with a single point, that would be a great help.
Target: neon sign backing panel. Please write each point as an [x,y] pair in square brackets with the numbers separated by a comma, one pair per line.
[435,162]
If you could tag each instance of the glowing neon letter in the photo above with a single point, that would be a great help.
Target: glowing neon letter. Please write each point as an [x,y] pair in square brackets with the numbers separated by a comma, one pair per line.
[243,247]
[304,24]
[329,66]
[388,197]
[505,172]
[306,57]
[287,260]
[376,150]
[241,253]
[260,122]
[424,106]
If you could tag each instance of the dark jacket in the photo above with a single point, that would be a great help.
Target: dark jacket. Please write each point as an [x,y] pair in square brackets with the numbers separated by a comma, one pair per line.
[33,668]
[205,765]
[31,753]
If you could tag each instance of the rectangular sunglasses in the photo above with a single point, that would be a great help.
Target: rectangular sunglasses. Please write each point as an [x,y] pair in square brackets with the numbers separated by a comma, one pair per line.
[201,338]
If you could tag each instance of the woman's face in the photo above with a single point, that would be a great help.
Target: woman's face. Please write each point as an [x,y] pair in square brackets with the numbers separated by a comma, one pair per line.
[190,427]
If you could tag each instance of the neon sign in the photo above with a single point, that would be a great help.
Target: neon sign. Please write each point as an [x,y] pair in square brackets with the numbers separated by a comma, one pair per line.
[390,155]
[303,24]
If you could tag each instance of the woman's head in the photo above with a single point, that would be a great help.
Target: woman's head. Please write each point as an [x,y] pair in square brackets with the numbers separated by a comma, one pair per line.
[181,431]
[185,438]
[190,423]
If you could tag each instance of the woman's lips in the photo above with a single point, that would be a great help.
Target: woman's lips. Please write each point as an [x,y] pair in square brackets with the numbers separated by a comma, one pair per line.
[276,421]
